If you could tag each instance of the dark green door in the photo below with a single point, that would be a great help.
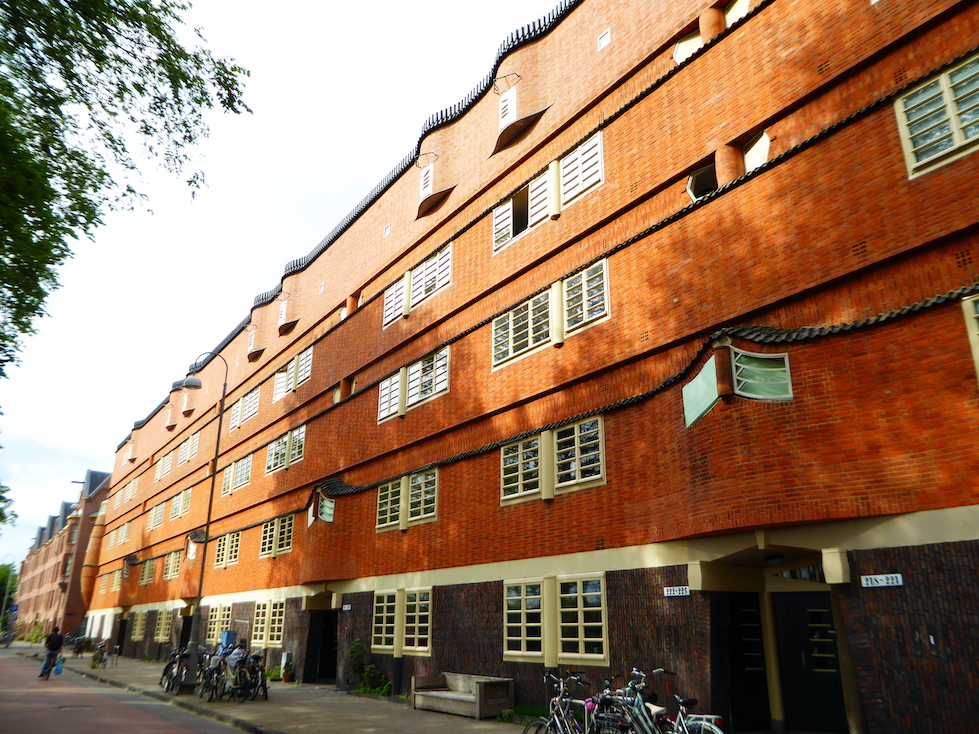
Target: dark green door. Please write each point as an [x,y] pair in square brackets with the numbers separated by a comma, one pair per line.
[812,690]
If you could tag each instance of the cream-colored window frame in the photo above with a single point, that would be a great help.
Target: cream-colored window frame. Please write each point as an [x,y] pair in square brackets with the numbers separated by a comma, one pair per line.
[942,90]
[139,627]
[164,625]
[384,621]
[970,310]
[277,537]
[417,637]
[148,572]
[520,470]
[555,621]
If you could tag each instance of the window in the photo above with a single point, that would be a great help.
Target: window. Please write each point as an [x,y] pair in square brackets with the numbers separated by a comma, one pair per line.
[418,610]
[131,489]
[520,468]
[104,584]
[702,182]
[218,620]
[523,626]
[118,498]
[687,47]
[226,550]
[566,458]
[110,539]
[756,152]
[180,504]
[286,450]
[426,182]
[155,518]
[582,169]
[163,466]
[188,449]
[245,408]
[579,300]
[139,626]
[294,374]
[388,396]
[117,579]
[605,39]
[761,376]
[939,120]
[579,636]
[171,566]
[413,385]
[522,212]
[970,309]
[579,452]
[236,475]
[428,377]
[277,537]
[388,504]
[508,107]
[164,623]
[147,572]
[422,494]
[382,632]
[268,624]
[422,281]
[407,501]
[122,535]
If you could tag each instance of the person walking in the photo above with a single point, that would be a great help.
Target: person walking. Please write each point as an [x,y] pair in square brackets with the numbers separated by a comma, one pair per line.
[52,650]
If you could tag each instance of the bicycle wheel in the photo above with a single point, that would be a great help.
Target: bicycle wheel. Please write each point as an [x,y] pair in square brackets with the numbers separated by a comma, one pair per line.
[702,727]
[539,726]
[254,683]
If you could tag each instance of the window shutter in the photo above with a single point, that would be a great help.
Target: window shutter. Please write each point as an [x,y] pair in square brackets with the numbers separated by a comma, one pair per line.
[427,182]
[414,382]
[387,396]
[281,381]
[508,107]
[394,299]
[538,200]
[502,224]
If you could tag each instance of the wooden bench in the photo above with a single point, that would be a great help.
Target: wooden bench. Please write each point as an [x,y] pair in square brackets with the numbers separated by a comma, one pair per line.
[475,696]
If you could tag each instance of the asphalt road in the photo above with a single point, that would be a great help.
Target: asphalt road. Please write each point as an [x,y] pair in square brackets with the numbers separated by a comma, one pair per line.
[69,704]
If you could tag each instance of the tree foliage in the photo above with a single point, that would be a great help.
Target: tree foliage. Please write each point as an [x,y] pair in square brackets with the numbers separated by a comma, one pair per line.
[80,82]
[7,516]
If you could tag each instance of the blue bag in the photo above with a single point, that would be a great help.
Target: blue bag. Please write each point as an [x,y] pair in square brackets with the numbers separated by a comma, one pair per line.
[59,666]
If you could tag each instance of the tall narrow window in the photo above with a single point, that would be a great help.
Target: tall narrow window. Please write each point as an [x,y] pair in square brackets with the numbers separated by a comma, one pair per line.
[585,297]
[418,610]
[388,394]
[523,623]
[388,504]
[382,633]
[277,537]
[520,468]
[582,169]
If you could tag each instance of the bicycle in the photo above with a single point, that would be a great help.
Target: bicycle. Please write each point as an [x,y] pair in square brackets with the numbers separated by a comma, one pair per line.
[99,658]
[633,710]
[561,719]
[175,672]
[256,672]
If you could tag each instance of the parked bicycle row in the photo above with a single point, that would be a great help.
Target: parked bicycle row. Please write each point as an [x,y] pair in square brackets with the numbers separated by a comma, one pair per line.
[226,673]
[629,710]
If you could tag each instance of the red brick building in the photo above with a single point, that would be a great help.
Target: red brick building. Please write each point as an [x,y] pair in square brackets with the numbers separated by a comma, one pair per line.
[49,591]
[660,349]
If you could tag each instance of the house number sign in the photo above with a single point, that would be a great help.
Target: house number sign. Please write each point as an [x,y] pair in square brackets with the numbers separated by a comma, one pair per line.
[676,591]
[881,579]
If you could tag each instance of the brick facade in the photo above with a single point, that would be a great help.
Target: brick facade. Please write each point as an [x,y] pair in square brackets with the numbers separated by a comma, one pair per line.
[718,549]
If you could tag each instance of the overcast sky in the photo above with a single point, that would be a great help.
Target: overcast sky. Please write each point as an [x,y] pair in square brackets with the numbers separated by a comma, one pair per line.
[340,92]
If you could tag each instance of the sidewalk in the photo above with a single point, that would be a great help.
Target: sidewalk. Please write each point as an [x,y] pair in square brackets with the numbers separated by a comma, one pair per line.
[292,708]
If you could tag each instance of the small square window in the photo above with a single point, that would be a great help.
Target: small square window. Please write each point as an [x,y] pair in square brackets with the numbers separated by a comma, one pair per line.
[605,39]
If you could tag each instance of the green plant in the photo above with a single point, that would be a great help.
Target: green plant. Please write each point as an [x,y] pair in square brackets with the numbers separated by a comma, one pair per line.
[149,659]
[274,673]
[374,681]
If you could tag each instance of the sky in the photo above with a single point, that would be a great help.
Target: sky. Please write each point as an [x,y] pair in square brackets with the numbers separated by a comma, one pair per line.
[339,93]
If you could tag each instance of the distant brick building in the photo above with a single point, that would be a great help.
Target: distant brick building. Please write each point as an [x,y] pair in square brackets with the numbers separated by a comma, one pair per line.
[660,349]
[48,594]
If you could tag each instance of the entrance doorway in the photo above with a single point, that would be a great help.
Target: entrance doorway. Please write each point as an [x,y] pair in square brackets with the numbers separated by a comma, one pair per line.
[812,688]
[750,710]
[321,647]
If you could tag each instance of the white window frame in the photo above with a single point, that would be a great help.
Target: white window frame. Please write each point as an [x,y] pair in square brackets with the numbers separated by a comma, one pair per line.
[155,516]
[171,566]
[131,488]
[289,377]
[286,450]
[508,107]
[188,449]
[139,627]
[426,182]
[942,93]
[147,573]
[745,375]
[523,620]
[568,307]
[218,620]
[122,534]
[527,208]
[389,397]
[428,378]
[226,549]
[428,278]
[277,537]
[180,504]
[244,408]
[388,505]
[268,624]
[117,579]
[582,170]
[755,151]
[163,466]
[579,454]
[237,474]
[394,300]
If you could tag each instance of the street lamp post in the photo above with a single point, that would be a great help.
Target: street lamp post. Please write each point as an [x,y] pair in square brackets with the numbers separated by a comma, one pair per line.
[194,383]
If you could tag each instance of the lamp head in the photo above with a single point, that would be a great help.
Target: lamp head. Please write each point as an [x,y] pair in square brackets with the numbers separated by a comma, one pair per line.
[191,383]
